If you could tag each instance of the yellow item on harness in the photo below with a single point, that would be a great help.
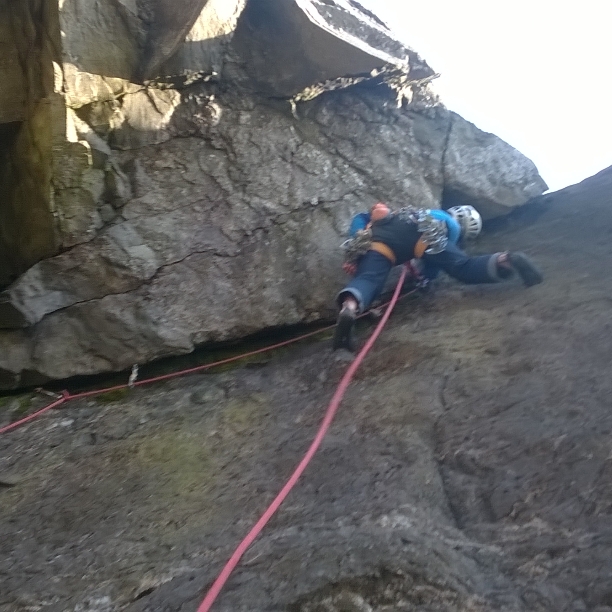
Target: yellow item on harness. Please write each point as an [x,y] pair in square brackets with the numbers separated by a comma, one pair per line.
[419,248]
[383,249]
[380,247]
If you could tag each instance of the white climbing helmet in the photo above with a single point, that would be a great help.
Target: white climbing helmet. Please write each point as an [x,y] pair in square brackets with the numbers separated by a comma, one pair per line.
[468,218]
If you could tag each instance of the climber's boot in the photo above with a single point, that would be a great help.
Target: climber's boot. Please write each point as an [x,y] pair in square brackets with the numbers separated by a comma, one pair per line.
[525,268]
[343,336]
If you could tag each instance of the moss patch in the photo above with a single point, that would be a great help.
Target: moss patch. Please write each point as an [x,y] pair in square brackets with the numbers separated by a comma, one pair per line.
[112,396]
[242,414]
[180,462]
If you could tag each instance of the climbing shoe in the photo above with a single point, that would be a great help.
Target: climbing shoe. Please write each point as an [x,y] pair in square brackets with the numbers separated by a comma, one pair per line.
[529,274]
[343,336]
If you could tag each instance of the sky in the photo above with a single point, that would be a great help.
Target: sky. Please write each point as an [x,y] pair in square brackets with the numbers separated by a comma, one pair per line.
[534,72]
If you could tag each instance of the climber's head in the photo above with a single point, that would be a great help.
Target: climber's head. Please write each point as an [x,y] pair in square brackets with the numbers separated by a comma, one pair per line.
[468,218]
[379,211]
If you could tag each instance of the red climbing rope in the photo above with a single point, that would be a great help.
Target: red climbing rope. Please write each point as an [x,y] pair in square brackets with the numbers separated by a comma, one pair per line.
[218,584]
[54,404]
[66,396]
[278,500]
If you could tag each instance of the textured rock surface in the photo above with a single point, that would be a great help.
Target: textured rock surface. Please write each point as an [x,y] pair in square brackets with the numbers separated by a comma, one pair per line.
[197,44]
[482,170]
[467,469]
[204,205]
[237,229]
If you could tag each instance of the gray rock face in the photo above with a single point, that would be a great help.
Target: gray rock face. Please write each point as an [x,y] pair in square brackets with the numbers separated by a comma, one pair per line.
[210,205]
[483,170]
[466,470]
[193,45]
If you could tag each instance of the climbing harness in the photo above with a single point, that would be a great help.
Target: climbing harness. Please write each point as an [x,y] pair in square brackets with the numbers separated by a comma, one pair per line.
[433,237]
[383,249]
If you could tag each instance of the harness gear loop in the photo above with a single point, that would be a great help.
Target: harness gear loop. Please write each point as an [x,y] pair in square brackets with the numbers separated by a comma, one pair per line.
[358,246]
[434,232]
[420,248]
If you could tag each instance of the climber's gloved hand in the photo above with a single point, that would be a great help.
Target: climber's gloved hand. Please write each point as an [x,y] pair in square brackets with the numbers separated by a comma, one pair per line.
[349,268]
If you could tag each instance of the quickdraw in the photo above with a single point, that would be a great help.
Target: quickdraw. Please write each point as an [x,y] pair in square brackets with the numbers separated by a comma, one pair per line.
[434,232]
[357,246]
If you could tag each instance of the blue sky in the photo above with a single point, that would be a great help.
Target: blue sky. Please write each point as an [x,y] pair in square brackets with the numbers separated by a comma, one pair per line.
[534,72]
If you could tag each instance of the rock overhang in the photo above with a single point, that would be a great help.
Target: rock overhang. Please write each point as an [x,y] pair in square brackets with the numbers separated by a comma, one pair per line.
[289,46]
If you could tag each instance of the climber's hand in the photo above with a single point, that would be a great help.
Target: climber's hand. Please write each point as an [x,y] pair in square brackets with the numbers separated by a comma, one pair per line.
[349,268]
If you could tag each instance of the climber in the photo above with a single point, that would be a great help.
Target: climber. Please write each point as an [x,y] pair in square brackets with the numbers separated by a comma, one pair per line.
[396,237]
[463,223]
